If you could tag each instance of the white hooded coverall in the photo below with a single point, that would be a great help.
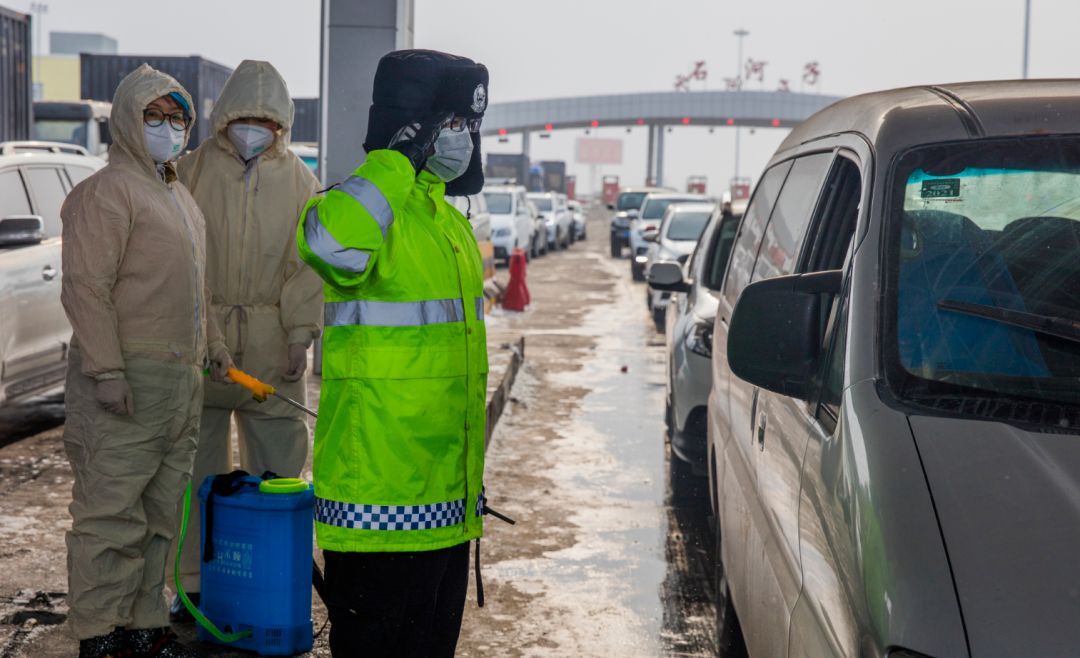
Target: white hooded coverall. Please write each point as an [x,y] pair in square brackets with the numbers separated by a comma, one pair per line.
[134,291]
[264,297]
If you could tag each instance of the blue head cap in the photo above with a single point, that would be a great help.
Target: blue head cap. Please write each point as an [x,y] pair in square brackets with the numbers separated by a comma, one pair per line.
[179,98]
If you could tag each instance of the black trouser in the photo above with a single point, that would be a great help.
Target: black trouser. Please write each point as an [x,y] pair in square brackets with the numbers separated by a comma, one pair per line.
[406,605]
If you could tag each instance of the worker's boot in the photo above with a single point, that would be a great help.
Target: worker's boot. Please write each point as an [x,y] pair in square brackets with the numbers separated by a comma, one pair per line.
[157,643]
[103,646]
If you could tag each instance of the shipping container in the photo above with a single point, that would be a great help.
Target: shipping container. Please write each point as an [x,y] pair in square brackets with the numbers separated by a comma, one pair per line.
[508,167]
[554,175]
[202,78]
[16,90]
[305,127]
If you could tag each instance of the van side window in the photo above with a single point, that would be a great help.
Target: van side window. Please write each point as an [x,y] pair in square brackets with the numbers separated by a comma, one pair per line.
[749,238]
[78,174]
[834,227]
[794,210]
[48,193]
[13,199]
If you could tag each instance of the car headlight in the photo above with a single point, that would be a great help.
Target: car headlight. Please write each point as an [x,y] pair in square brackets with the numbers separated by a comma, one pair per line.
[699,339]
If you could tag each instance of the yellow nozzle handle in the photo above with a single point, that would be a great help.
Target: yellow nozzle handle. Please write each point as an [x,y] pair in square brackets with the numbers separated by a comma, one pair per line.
[259,390]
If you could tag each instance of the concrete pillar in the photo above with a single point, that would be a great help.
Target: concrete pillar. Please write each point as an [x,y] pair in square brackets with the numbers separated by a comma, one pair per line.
[525,142]
[660,130]
[355,34]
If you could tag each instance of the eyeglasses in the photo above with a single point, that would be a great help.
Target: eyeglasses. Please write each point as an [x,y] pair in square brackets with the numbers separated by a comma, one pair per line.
[154,117]
[458,124]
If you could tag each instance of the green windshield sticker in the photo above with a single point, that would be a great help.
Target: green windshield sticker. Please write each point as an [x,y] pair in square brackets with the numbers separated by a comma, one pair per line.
[941,188]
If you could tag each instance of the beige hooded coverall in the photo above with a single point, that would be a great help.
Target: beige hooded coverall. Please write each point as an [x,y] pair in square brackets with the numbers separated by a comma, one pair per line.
[265,297]
[134,291]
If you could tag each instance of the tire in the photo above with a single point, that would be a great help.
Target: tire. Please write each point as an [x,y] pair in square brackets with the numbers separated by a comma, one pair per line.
[729,637]
[659,321]
[684,485]
[616,247]
[637,272]
[669,419]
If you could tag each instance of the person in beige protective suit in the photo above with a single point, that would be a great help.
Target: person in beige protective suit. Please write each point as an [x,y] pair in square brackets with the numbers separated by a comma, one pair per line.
[134,291]
[251,189]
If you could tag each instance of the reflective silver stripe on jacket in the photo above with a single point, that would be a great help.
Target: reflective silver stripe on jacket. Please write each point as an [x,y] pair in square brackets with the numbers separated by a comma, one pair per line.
[371,198]
[480,309]
[389,517]
[370,313]
[328,249]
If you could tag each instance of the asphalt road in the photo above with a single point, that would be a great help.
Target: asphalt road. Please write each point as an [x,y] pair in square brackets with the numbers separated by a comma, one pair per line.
[600,563]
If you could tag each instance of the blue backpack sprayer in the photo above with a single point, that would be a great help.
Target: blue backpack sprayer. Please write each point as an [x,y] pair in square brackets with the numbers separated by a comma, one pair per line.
[257,570]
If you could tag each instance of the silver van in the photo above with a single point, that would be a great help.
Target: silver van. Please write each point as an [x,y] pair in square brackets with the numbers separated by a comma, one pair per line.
[34,331]
[894,423]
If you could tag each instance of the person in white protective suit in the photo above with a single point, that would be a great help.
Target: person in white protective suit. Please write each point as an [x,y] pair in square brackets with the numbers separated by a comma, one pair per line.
[268,303]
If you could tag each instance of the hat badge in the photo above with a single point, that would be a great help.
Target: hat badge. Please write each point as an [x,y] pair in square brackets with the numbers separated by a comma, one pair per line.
[479,99]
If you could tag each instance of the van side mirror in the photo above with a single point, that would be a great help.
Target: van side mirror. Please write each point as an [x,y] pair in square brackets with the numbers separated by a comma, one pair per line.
[104,132]
[667,276]
[651,236]
[21,230]
[775,335]
[632,213]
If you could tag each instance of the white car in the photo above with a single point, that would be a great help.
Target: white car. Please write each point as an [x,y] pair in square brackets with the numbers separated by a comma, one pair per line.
[475,209]
[674,241]
[577,213]
[34,331]
[308,154]
[648,220]
[557,219]
[512,222]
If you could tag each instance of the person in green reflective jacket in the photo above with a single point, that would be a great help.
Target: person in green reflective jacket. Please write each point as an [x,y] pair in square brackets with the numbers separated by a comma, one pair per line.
[399,444]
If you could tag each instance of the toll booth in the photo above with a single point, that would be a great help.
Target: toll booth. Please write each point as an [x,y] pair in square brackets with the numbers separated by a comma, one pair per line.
[610,189]
[571,187]
[696,184]
[740,188]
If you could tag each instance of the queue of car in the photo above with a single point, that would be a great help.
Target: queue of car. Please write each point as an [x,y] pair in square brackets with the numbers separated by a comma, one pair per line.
[890,333]
[34,332]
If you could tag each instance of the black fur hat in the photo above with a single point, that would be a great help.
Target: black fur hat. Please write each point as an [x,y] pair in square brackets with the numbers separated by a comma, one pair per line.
[411,84]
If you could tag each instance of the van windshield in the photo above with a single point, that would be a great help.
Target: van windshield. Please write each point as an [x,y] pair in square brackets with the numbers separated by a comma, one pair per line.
[60,130]
[654,208]
[687,226]
[498,203]
[630,200]
[543,203]
[987,243]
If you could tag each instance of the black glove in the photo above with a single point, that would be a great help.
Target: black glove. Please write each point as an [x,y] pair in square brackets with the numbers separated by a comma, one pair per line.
[416,140]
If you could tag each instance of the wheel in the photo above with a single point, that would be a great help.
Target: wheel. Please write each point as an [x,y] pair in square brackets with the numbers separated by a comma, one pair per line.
[681,479]
[616,247]
[669,419]
[658,319]
[637,272]
[729,638]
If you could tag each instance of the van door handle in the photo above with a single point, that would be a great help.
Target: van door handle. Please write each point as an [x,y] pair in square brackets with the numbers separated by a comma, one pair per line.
[761,431]
[49,273]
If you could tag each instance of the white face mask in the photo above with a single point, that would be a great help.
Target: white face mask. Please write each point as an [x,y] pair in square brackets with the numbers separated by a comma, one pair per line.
[250,140]
[163,142]
[453,152]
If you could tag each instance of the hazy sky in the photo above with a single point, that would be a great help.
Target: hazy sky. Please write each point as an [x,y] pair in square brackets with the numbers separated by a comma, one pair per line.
[573,47]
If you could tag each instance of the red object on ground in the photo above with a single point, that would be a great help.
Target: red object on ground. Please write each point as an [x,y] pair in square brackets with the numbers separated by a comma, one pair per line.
[516,297]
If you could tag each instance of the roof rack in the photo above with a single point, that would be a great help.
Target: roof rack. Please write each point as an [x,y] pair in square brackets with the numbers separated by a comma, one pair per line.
[30,146]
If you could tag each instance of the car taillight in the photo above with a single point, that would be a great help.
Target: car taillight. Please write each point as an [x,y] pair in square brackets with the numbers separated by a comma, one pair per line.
[699,340]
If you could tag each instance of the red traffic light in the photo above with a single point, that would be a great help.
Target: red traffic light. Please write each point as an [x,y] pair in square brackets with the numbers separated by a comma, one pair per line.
[547,126]
[731,122]
[776,123]
[595,123]
[686,121]
[502,132]
[641,122]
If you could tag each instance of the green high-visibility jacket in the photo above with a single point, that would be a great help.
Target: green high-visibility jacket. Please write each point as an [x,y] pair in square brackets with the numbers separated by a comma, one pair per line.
[399,444]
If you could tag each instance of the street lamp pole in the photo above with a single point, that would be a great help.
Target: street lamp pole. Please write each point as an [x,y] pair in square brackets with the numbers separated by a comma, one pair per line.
[1027,34]
[740,33]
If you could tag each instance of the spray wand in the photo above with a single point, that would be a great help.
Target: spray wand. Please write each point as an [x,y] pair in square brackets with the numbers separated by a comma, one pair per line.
[261,391]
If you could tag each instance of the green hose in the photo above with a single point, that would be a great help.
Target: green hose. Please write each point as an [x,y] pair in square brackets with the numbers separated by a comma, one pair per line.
[195,612]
